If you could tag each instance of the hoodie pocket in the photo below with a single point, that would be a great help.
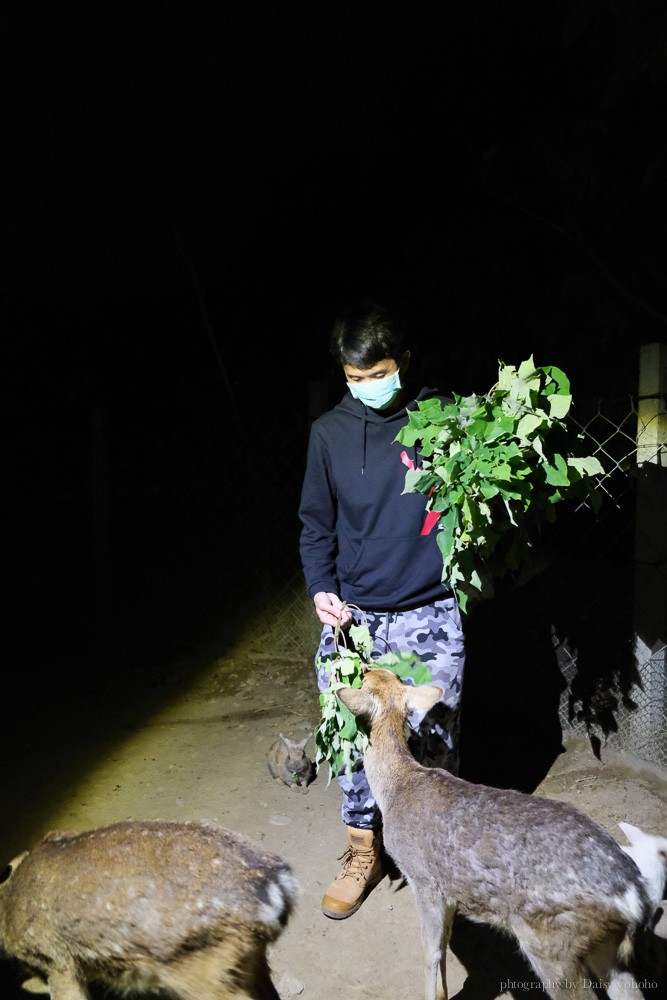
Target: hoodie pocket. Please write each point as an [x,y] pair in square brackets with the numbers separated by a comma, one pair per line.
[395,567]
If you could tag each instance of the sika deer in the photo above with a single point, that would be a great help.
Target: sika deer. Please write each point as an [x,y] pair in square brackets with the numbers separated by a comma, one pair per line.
[147,906]
[649,853]
[532,867]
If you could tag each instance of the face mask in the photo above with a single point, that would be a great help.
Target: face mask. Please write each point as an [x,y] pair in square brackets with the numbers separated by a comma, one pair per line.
[378,394]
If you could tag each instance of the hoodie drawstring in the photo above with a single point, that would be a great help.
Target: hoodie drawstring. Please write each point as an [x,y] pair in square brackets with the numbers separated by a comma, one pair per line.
[363,444]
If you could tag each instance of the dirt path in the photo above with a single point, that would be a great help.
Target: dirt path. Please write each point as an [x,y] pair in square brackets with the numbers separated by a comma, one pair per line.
[202,751]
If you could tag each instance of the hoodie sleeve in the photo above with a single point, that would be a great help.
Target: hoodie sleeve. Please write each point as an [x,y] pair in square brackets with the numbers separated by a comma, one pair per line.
[317,512]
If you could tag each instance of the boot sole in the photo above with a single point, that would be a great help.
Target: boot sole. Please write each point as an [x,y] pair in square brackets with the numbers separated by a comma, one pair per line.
[348,913]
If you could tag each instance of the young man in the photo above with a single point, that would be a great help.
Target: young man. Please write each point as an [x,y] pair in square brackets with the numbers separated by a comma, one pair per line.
[361,543]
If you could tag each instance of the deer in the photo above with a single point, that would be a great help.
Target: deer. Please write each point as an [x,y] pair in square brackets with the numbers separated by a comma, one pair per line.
[146,906]
[537,869]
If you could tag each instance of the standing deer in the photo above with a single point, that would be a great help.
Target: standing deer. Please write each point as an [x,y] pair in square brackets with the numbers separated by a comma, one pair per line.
[536,868]
[147,906]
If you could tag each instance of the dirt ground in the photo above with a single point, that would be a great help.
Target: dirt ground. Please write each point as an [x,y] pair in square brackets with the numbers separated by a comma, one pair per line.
[164,748]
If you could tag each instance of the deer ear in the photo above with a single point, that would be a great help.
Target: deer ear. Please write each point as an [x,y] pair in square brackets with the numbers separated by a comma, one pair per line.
[353,698]
[7,872]
[633,833]
[422,698]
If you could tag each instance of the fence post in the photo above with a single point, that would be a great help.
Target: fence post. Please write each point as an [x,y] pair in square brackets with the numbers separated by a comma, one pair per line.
[650,574]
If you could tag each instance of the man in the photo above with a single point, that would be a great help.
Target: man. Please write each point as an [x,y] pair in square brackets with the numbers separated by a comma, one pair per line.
[362,544]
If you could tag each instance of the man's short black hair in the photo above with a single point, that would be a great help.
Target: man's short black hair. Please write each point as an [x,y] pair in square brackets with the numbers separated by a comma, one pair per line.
[366,333]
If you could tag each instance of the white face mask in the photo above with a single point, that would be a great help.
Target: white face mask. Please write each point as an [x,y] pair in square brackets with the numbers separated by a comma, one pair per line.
[378,394]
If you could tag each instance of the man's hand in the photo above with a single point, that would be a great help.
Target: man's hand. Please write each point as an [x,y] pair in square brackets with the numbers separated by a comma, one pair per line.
[330,610]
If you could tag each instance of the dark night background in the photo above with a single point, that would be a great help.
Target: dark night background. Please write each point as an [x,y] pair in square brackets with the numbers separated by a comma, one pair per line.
[193,190]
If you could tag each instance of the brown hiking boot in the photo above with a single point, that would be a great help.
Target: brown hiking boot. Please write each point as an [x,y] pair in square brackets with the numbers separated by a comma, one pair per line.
[362,870]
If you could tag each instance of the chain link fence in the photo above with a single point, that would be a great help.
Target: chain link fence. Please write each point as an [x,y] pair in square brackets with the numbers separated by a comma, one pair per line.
[628,538]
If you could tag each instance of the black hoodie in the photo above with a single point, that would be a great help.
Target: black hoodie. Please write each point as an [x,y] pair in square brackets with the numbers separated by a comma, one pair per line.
[361,538]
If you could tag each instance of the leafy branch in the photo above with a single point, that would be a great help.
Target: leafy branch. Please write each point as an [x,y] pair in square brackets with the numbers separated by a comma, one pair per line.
[493,467]
[341,738]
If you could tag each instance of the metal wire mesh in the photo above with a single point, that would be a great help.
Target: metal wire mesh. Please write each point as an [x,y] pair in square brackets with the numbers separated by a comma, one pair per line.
[641,725]
[632,451]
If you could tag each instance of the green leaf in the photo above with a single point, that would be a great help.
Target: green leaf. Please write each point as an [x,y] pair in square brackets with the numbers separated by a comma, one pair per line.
[346,722]
[527,369]
[560,384]
[501,426]
[409,435]
[416,481]
[488,490]
[348,663]
[361,637]
[589,466]
[560,406]
[505,375]
[557,474]
[405,665]
[528,424]
[503,472]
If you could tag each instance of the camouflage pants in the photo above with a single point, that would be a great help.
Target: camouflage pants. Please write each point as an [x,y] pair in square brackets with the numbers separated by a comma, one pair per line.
[435,635]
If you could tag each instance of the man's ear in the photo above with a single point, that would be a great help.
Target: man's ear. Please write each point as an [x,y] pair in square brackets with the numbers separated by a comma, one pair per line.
[404,363]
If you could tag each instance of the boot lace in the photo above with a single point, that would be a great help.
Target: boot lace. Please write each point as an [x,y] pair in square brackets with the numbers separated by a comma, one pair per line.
[356,863]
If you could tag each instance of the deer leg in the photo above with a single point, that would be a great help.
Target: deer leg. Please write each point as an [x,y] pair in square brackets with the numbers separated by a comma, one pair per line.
[436,916]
